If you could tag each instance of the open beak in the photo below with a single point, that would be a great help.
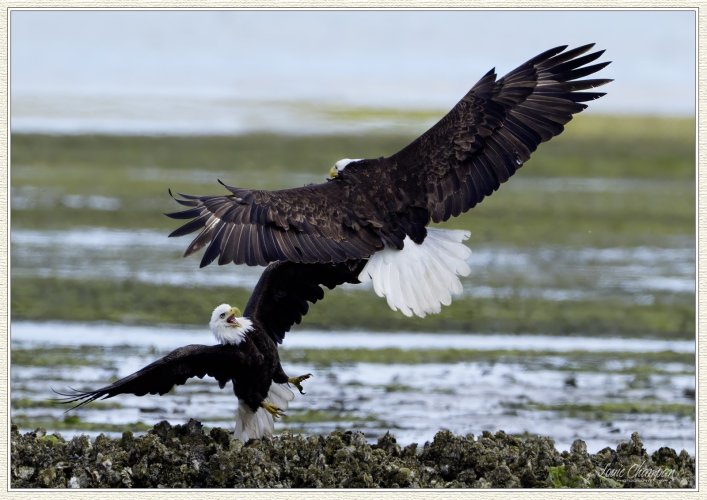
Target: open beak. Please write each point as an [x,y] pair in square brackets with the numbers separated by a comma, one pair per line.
[231,320]
[333,172]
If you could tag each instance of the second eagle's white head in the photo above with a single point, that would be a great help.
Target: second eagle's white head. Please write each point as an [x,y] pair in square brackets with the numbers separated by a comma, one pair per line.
[228,326]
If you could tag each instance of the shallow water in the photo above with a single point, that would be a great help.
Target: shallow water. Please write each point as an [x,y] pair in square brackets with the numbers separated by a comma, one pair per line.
[234,72]
[412,401]
[35,333]
[635,274]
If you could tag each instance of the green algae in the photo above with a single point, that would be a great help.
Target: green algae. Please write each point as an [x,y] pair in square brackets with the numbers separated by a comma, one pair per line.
[609,409]
[642,364]
[74,423]
[131,302]
[596,147]
[58,356]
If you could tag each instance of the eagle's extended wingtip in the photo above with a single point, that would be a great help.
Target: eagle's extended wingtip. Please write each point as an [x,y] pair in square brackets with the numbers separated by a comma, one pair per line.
[69,397]
[584,47]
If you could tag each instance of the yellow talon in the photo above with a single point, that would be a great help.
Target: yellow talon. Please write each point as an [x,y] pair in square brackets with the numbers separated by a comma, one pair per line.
[297,381]
[272,409]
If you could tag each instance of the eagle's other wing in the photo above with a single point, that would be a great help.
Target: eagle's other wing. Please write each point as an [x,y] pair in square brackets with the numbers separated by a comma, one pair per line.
[281,297]
[493,130]
[308,224]
[217,361]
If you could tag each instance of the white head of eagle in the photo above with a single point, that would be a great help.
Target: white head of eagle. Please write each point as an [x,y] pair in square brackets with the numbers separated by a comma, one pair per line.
[340,165]
[228,326]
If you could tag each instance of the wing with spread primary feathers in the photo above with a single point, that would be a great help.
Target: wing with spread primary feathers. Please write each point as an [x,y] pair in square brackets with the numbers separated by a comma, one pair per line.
[493,130]
[450,168]
[217,361]
[308,224]
[281,297]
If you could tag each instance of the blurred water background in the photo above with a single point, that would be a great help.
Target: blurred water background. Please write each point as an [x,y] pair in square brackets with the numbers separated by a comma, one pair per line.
[226,72]
[577,320]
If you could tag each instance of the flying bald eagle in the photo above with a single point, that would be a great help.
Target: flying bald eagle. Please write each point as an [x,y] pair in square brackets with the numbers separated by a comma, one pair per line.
[379,209]
[247,351]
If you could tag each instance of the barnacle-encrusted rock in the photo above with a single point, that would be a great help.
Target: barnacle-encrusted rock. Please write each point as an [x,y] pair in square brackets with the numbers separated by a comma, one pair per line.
[185,456]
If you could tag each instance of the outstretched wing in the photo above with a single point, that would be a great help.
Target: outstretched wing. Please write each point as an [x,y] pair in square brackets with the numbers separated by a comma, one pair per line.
[493,130]
[281,297]
[309,224]
[217,361]
[465,157]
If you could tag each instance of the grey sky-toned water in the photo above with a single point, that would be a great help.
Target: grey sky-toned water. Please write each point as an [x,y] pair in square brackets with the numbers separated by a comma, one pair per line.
[239,71]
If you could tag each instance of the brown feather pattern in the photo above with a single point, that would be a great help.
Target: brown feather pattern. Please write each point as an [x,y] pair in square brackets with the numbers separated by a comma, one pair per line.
[494,129]
[479,144]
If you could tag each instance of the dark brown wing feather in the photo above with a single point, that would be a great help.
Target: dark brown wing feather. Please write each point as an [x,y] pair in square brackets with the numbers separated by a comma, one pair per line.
[493,130]
[281,297]
[308,224]
[217,361]
[465,157]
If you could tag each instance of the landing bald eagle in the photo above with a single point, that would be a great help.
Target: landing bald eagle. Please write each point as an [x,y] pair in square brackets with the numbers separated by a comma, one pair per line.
[247,353]
[378,209]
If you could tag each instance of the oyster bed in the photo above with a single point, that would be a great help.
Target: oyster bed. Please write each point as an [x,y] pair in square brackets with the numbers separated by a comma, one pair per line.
[190,456]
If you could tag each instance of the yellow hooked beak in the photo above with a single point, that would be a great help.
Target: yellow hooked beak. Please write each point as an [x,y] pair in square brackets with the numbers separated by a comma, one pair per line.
[233,313]
[333,172]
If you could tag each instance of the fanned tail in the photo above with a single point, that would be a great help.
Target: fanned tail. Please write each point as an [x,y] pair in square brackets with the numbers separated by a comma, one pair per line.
[419,279]
[258,424]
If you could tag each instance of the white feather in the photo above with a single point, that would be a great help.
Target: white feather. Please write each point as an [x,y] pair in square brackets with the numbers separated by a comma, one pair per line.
[341,165]
[441,287]
[419,279]
[416,292]
[257,424]
[225,332]
[390,277]
[280,395]
[430,294]
[228,334]
[404,295]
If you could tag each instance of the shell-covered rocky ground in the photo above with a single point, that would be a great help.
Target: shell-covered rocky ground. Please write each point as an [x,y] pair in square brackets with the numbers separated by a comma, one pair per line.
[187,456]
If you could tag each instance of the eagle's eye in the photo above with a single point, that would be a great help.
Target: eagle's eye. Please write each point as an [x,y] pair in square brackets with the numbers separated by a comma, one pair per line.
[223,315]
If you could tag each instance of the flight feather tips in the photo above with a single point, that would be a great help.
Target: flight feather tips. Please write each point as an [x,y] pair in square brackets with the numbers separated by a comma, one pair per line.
[386,203]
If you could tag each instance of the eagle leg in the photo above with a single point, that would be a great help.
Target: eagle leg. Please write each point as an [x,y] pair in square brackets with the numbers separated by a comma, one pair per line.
[272,409]
[297,381]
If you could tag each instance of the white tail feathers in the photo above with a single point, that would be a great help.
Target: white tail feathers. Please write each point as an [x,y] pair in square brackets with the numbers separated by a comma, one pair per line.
[419,279]
[280,395]
[254,425]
